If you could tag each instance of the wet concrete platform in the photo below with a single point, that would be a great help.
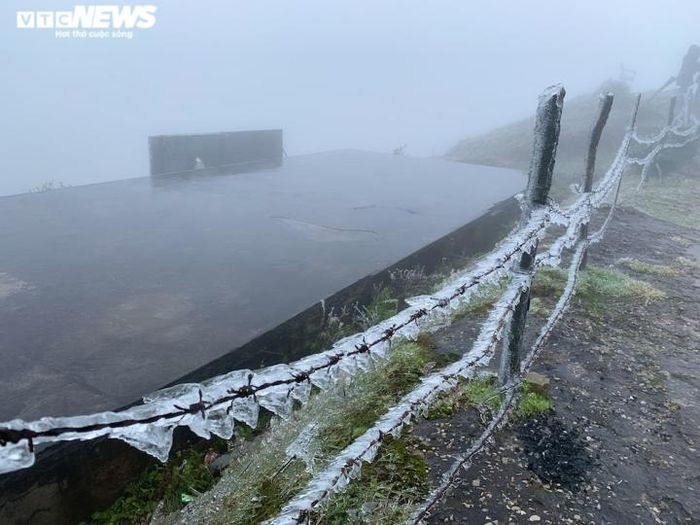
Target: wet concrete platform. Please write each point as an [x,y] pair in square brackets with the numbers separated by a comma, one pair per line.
[110,291]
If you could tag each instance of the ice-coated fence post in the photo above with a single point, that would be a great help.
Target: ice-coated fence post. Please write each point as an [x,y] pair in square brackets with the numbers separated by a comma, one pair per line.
[671,111]
[604,107]
[635,112]
[544,150]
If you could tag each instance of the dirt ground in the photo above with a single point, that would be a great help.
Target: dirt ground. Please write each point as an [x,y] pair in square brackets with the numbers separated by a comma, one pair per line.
[621,445]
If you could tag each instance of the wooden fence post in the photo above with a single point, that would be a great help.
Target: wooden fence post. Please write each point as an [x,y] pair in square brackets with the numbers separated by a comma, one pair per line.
[546,139]
[635,112]
[671,110]
[604,107]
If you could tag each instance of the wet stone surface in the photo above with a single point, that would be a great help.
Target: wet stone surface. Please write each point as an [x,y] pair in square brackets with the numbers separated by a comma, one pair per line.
[110,291]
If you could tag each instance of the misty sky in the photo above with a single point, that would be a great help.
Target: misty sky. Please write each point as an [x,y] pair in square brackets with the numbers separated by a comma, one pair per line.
[367,74]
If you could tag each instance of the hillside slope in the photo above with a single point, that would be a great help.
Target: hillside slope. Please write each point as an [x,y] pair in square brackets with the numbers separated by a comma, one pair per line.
[510,145]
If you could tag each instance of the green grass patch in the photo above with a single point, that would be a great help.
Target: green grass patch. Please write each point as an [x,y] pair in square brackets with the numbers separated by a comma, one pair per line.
[597,287]
[658,270]
[601,286]
[400,374]
[673,198]
[174,483]
[549,282]
[386,490]
[532,403]
[480,392]
[479,303]
[443,406]
[483,391]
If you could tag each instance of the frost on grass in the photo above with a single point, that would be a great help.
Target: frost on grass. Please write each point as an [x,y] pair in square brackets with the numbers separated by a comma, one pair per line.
[348,463]
[272,467]
[658,270]
[596,287]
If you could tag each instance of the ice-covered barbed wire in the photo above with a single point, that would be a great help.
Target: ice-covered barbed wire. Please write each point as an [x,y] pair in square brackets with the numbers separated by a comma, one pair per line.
[578,214]
[684,126]
[463,461]
[213,406]
[648,160]
[665,132]
[581,211]
[347,465]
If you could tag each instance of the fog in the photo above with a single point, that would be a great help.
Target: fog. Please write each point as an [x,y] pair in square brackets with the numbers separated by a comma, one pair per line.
[334,74]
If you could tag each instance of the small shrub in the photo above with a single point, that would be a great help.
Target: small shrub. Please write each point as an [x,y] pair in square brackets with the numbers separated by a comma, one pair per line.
[532,403]
[174,483]
[479,392]
[483,392]
[538,308]
[49,186]
[442,407]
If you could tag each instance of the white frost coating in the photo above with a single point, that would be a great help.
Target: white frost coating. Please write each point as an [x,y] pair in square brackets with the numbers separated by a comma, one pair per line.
[336,476]
[246,410]
[16,456]
[668,130]
[581,211]
[543,118]
[580,214]
[598,236]
[304,446]
[559,308]
[646,162]
[220,422]
[613,174]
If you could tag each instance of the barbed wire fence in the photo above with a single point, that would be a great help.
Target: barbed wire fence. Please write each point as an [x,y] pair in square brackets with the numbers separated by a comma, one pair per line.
[507,320]
[215,406]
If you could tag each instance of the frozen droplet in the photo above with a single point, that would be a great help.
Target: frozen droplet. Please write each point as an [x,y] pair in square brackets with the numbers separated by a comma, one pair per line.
[220,423]
[149,438]
[302,391]
[15,456]
[277,400]
[245,410]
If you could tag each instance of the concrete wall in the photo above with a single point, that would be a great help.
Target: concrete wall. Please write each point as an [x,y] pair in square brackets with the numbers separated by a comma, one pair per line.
[235,150]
